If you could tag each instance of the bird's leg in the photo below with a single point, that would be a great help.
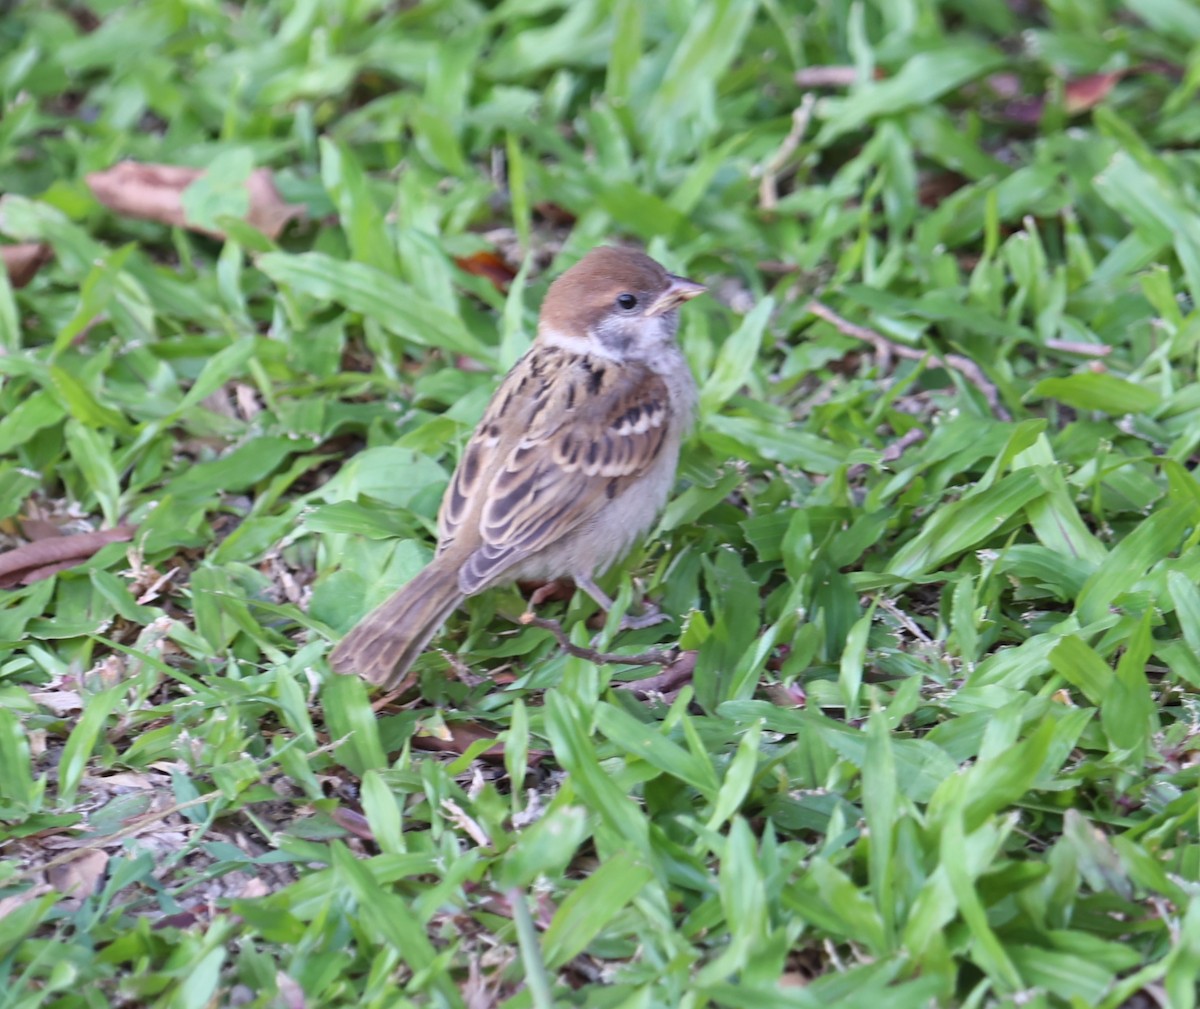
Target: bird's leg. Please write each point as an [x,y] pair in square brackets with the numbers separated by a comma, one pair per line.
[548,591]
[652,615]
[556,588]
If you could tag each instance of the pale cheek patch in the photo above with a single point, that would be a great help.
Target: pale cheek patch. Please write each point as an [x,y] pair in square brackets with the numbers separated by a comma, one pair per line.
[618,335]
[575,344]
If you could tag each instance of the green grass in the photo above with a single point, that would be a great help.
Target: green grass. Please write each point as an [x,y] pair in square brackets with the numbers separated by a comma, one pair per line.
[940,743]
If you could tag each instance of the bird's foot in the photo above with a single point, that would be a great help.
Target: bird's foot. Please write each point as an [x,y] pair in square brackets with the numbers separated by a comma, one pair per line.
[652,615]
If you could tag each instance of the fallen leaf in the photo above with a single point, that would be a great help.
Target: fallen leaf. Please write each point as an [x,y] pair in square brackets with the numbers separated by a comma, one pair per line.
[135,780]
[1085,93]
[353,821]
[790,695]
[255,886]
[181,919]
[81,876]
[154,193]
[490,266]
[459,737]
[61,702]
[552,213]
[1081,94]
[24,260]
[34,529]
[34,561]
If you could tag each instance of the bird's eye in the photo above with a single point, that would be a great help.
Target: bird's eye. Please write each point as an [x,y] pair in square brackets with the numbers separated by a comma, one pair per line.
[627,302]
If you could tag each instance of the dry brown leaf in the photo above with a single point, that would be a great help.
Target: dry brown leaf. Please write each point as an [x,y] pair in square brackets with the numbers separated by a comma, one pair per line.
[353,821]
[34,529]
[137,781]
[789,695]
[457,739]
[81,876]
[553,214]
[34,561]
[1080,95]
[181,919]
[255,886]
[154,193]
[490,266]
[24,260]
[61,702]
[1085,93]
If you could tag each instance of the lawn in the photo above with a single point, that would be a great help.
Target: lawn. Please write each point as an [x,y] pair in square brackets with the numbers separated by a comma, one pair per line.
[925,728]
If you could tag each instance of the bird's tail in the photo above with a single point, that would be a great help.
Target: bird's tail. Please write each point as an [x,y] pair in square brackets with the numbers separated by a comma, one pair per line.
[386,642]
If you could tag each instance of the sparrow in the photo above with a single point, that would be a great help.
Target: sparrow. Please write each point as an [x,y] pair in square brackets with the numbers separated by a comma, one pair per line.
[570,465]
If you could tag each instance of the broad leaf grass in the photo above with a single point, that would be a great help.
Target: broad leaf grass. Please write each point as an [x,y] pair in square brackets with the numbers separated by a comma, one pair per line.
[937,746]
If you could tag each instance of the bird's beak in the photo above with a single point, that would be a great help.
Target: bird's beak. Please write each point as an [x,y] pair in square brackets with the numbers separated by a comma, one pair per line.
[678,291]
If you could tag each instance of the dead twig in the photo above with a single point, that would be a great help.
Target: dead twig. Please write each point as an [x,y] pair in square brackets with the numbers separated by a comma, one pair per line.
[674,675]
[466,823]
[826,77]
[885,349]
[651,658]
[897,448]
[42,558]
[905,621]
[893,452]
[1079,347]
[768,186]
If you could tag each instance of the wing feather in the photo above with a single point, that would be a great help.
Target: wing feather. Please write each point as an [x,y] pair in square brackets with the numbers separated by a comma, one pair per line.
[560,438]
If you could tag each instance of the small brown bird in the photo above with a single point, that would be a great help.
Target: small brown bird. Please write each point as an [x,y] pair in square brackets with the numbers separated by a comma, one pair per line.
[570,465]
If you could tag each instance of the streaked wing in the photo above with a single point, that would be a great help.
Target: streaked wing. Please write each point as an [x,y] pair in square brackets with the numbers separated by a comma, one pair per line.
[519,397]
[585,430]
